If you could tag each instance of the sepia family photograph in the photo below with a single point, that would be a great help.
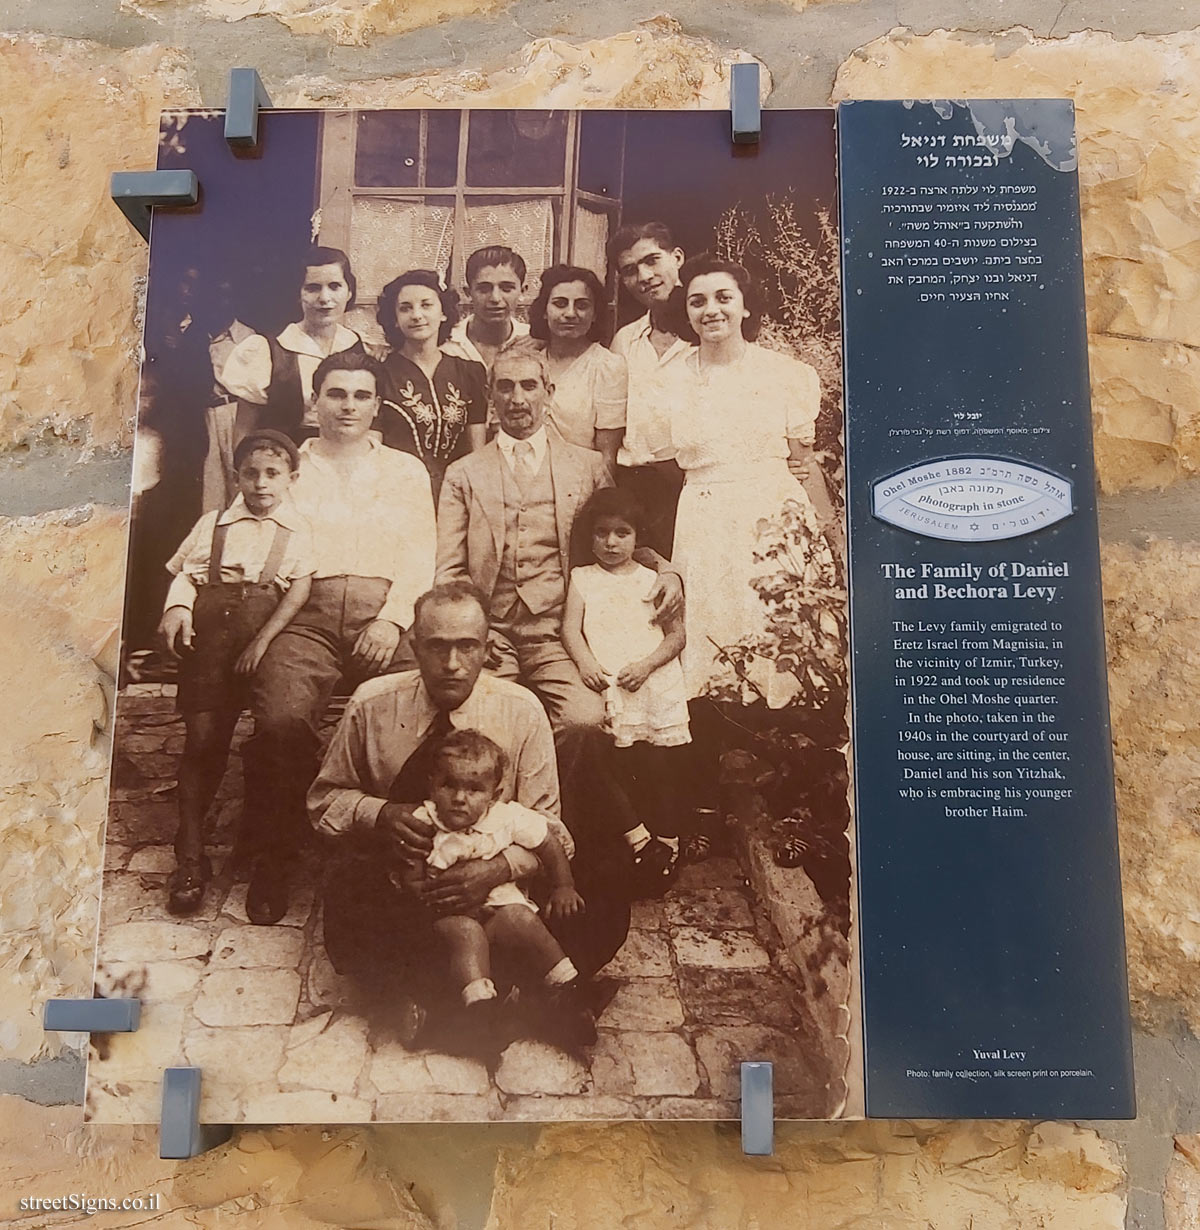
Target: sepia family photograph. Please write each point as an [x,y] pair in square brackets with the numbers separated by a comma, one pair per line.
[481,744]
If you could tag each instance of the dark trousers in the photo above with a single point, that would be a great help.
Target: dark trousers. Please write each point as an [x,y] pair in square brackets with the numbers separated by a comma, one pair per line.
[382,937]
[656,487]
[292,686]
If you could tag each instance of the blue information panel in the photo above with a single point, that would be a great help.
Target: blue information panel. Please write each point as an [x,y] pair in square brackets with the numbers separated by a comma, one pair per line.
[993,960]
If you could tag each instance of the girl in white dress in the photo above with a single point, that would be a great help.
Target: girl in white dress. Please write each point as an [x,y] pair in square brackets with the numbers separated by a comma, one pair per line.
[608,630]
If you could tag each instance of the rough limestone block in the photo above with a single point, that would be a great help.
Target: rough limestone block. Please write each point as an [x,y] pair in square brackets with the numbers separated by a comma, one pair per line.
[537,1067]
[726,950]
[1181,1198]
[346,22]
[644,1003]
[1139,130]
[73,113]
[644,954]
[248,997]
[905,1177]
[332,1060]
[1152,618]
[653,65]
[59,604]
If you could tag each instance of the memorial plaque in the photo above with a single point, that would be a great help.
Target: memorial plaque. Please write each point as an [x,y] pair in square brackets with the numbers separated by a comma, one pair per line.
[418,813]
[992,944]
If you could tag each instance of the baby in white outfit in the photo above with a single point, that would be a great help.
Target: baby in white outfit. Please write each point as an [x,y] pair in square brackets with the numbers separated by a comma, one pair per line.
[472,823]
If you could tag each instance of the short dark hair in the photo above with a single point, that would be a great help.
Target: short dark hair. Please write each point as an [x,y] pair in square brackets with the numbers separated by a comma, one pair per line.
[472,746]
[447,593]
[348,361]
[697,267]
[385,309]
[556,275]
[331,256]
[269,441]
[631,232]
[610,502]
[496,255]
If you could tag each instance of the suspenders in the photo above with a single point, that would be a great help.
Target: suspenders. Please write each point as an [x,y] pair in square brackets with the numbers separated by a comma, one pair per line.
[279,541]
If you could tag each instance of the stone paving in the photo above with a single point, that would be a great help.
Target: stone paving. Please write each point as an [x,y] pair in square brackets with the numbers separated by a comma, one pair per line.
[698,986]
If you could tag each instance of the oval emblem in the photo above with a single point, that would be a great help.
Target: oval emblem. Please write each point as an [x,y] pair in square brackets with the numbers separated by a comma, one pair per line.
[972,499]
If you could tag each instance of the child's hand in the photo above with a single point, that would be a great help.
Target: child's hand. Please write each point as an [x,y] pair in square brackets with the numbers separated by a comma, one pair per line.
[250,657]
[632,675]
[564,902]
[592,673]
[176,629]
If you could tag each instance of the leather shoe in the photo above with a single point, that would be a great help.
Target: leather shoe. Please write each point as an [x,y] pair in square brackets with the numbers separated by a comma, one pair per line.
[267,895]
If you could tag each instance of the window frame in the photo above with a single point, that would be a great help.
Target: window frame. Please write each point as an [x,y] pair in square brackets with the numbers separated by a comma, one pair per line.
[333,222]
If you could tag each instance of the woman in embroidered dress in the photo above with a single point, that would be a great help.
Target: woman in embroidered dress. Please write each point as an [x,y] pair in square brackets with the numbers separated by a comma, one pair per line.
[436,407]
[272,376]
[742,422]
[590,382]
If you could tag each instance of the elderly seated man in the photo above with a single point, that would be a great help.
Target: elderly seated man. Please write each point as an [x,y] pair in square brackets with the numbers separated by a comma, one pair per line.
[505,521]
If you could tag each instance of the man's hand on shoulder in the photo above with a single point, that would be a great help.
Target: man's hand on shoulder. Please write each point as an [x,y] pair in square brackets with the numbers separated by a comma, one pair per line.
[667,598]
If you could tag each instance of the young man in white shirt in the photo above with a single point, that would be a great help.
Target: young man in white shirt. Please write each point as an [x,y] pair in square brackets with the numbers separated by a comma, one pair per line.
[647,261]
[370,509]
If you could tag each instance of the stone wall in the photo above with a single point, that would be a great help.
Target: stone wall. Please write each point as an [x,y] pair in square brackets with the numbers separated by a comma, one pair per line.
[81,87]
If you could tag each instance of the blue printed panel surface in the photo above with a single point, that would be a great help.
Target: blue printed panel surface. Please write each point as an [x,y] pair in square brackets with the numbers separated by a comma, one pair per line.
[992,945]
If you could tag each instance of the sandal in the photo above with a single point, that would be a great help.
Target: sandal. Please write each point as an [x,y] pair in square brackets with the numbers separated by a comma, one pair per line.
[695,848]
[186,885]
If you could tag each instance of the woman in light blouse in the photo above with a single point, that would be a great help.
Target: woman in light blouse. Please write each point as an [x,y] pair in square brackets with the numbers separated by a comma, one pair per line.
[590,382]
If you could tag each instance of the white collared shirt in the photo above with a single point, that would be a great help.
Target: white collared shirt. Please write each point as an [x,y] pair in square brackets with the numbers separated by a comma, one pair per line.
[376,520]
[647,414]
[508,448]
[387,718]
[460,344]
[247,545]
[247,372]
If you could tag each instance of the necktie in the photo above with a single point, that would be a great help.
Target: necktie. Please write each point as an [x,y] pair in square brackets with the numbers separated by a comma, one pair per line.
[523,461]
[412,782]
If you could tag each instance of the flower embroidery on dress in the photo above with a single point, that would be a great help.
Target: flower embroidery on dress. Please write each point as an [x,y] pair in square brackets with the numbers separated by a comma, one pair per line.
[435,428]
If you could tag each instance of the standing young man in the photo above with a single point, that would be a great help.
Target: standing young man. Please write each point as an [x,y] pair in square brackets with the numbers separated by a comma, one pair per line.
[495,279]
[647,261]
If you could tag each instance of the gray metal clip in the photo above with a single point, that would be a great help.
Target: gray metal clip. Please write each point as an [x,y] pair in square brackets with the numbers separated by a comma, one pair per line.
[136,192]
[744,107]
[180,1132]
[247,95]
[758,1109]
[92,1016]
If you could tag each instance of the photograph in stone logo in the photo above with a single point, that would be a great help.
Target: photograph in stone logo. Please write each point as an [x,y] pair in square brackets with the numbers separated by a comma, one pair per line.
[480,739]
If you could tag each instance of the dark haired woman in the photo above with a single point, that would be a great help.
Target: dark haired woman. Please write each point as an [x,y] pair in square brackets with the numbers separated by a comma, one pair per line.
[272,376]
[742,423]
[590,382]
[436,407]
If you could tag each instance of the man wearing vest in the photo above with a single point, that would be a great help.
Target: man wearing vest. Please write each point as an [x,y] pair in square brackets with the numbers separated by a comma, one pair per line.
[504,523]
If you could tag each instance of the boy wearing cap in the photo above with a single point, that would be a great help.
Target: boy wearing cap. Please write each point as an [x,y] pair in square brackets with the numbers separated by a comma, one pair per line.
[239,578]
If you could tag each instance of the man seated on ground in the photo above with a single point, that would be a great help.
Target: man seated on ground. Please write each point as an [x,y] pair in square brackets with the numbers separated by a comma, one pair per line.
[375,776]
